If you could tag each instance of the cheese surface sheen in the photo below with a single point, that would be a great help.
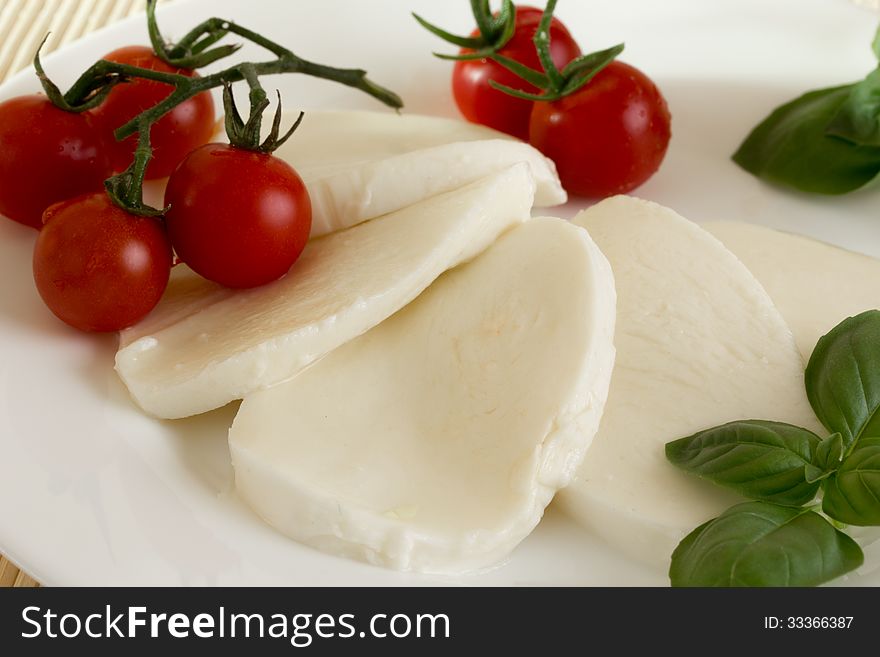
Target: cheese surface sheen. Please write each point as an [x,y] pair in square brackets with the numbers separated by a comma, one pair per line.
[205,346]
[434,442]
[699,343]
[361,165]
[815,285]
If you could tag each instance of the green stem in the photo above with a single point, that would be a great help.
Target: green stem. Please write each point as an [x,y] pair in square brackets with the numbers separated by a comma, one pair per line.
[483,17]
[542,44]
[102,72]
[93,90]
[156,38]
[259,102]
[143,154]
[189,40]
[355,78]
[127,188]
[276,49]
[189,52]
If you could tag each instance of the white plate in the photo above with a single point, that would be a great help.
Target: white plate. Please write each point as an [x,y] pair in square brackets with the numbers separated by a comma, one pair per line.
[93,492]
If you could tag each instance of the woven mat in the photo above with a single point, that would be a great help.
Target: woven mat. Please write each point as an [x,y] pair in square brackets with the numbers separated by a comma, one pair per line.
[23,24]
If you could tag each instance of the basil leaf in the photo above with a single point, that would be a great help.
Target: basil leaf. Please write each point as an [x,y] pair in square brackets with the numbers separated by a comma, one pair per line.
[858,119]
[761,459]
[791,147]
[843,378]
[829,453]
[812,474]
[761,544]
[852,494]
[875,44]
[826,459]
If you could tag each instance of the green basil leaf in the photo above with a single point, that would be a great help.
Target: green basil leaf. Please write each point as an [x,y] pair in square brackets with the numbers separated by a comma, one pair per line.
[843,378]
[791,147]
[852,494]
[761,459]
[875,44]
[858,119]
[829,453]
[813,474]
[762,544]
[826,459]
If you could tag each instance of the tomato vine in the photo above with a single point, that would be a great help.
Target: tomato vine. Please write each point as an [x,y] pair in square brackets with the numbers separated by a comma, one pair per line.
[192,51]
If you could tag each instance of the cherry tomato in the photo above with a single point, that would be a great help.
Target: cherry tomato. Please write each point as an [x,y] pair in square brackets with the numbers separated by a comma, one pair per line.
[237,217]
[47,155]
[480,103]
[175,135]
[99,268]
[608,137]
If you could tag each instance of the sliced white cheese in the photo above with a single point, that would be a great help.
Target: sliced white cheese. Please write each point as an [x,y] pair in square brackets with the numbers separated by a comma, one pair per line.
[361,165]
[197,353]
[815,285]
[434,442]
[336,139]
[699,343]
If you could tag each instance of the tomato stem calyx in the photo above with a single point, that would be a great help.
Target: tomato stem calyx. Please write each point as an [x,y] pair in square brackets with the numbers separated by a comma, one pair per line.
[555,84]
[246,134]
[92,92]
[495,31]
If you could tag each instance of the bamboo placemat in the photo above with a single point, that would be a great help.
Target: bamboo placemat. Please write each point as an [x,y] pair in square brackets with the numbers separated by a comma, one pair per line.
[23,24]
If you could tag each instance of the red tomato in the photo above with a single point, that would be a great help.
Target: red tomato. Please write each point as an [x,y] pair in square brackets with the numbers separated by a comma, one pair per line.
[480,103]
[47,155]
[175,135]
[237,217]
[608,137]
[99,268]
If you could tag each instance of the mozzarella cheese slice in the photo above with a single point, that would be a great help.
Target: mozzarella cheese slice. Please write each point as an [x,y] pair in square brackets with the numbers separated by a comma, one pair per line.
[699,343]
[203,347]
[361,165]
[433,442]
[815,285]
